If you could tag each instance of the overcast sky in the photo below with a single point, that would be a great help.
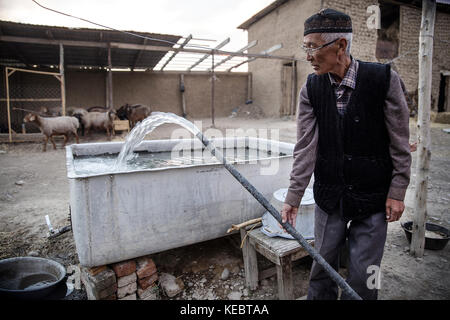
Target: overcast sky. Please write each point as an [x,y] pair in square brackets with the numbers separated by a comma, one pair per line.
[213,19]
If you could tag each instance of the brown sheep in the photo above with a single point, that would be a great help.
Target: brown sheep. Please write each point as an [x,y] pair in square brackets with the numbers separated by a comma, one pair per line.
[134,113]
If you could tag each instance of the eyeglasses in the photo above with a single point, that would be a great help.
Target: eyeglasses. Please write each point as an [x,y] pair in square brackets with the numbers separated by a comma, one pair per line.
[311,51]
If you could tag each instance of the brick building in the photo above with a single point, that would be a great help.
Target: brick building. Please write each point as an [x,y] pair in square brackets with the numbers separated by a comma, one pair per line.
[397,40]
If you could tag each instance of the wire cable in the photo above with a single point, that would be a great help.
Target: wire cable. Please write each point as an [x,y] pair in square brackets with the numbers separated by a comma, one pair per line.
[110,28]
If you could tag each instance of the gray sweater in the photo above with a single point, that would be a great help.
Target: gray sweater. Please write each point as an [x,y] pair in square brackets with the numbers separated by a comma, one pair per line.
[397,122]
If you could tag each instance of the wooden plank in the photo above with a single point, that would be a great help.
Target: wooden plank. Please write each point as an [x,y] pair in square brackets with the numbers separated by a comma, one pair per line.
[8,104]
[250,263]
[31,99]
[183,99]
[110,87]
[279,246]
[423,127]
[271,271]
[269,254]
[121,125]
[33,71]
[267,273]
[62,79]
[213,80]
[293,88]
[284,279]
[250,87]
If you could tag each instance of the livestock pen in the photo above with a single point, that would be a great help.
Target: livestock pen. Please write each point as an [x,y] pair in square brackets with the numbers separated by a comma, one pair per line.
[110,68]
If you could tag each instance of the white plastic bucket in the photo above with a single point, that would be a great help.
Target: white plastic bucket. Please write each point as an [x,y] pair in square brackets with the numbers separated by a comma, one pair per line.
[305,216]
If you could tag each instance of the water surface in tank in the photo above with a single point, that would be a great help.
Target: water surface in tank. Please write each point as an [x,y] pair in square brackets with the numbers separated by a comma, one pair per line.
[85,165]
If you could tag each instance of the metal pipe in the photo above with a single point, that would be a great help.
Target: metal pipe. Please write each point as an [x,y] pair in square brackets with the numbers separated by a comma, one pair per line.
[290,229]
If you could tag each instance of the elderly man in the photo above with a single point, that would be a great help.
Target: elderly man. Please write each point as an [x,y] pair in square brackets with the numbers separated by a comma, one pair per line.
[353,133]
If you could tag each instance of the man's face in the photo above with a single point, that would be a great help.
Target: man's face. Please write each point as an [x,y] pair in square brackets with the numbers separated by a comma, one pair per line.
[322,60]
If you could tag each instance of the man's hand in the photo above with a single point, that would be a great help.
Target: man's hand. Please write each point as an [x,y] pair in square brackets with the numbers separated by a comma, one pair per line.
[394,209]
[289,214]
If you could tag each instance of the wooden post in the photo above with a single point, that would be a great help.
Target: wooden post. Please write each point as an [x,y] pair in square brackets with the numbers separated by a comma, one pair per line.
[110,89]
[250,262]
[423,126]
[62,79]
[249,86]
[293,88]
[212,90]
[7,104]
[182,89]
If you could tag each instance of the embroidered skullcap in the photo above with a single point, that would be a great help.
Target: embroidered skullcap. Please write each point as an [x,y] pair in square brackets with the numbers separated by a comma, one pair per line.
[328,21]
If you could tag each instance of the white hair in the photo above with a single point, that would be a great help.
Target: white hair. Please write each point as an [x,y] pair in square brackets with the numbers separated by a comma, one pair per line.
[327,37]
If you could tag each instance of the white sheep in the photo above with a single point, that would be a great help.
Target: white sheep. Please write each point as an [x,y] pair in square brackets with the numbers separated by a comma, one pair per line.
[54,126]
[99,120]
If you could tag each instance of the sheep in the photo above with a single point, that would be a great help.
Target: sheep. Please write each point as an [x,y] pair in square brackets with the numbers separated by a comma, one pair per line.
[52,111]
[79,113]
[99,120]
[98,109]
[54,126]
[134,113]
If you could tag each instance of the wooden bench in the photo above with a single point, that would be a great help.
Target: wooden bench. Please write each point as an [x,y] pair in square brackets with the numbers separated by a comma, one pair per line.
[282,252]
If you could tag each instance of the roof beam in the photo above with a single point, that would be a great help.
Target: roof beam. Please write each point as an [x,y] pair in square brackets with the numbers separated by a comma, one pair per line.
[138,56]
[264,52]
[130,46]
[189,38]
[220,45]
[248,46]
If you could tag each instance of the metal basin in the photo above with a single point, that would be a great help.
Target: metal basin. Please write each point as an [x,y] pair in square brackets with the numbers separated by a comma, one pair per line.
[430,243]
[29,277]
[118,216]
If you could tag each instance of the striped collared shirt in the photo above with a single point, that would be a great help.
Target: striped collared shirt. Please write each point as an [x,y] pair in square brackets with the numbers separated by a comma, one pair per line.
[344,90]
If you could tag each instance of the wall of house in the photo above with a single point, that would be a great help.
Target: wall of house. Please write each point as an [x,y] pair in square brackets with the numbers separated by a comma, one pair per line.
[283,25]
[364,39]
[408,66]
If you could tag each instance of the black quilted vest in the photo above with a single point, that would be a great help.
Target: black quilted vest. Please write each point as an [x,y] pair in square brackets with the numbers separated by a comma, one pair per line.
[353,169]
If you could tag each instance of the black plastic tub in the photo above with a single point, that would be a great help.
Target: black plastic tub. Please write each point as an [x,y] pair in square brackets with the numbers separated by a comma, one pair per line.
[430,243]
[30,277]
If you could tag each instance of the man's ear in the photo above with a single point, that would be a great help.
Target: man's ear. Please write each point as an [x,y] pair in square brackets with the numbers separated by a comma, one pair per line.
[342,44]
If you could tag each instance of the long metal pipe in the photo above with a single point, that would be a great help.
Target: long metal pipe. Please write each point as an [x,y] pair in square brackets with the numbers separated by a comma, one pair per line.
[290,229]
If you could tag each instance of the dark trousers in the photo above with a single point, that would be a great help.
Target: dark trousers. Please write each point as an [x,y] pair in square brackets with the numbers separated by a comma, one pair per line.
[366,239]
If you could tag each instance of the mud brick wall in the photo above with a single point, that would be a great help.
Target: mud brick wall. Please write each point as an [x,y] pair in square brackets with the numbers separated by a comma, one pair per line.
[408,66]
[364,39]
[285,25]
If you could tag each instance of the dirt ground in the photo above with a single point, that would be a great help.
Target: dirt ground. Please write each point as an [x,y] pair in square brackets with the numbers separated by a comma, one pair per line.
[34,184]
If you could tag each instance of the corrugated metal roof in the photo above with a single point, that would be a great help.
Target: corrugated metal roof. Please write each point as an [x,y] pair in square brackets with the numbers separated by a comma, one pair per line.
[48,54]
